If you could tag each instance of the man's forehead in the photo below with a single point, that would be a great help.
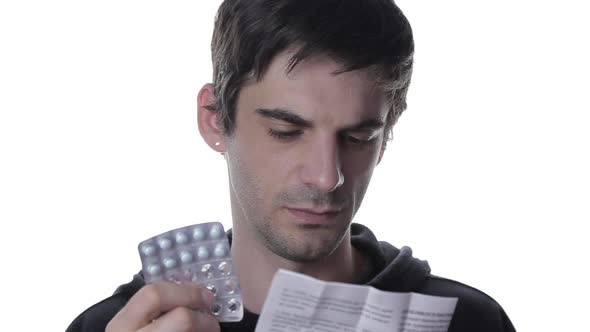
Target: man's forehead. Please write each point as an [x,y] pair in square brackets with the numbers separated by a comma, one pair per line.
[314,89]
[282,66]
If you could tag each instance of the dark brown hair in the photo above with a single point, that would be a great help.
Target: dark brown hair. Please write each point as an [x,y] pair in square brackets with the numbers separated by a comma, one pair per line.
[360,34]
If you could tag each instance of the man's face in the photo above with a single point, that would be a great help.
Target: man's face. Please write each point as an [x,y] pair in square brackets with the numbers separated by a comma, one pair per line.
[302,154]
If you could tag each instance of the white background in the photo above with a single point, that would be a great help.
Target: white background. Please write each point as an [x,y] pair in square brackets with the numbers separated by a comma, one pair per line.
[487,177]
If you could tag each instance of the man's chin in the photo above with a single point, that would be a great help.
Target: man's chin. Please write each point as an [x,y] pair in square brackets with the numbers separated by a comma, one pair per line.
[310,249]
[305,257]
[303,242]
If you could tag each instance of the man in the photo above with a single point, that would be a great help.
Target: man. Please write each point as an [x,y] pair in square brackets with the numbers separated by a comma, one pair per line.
[304,97]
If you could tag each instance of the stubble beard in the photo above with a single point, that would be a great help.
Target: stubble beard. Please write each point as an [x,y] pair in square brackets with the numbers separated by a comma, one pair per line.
[286,239]
[310,243]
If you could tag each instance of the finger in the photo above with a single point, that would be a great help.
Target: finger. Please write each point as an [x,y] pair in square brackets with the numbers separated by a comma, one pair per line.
[182,319]
[153,300]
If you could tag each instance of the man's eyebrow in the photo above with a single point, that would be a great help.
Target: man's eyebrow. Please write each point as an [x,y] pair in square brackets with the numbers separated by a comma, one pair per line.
[290,117]
[283,115]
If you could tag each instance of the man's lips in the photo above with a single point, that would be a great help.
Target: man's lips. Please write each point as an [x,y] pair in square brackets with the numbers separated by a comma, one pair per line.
[316,210]
[315,216]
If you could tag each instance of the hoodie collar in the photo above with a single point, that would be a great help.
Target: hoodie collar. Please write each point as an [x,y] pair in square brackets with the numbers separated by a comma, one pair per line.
[393,269]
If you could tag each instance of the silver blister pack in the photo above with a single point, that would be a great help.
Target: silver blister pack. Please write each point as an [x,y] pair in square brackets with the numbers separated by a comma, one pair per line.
[199,253]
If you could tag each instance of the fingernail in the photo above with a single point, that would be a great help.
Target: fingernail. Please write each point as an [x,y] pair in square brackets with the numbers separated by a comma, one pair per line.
[208,297]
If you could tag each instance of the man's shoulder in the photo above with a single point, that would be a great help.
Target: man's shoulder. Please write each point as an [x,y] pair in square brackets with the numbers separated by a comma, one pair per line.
[440,286]
[475,309]
[97,317]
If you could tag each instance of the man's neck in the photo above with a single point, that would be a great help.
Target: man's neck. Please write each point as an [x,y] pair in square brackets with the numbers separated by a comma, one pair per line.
[256,266]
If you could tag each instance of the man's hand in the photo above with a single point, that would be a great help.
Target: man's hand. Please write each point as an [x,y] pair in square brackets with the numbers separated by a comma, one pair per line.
[167,307]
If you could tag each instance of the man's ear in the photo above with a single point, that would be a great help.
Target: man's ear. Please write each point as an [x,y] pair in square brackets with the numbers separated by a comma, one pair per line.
[381,154]
[382,150]
[208,120]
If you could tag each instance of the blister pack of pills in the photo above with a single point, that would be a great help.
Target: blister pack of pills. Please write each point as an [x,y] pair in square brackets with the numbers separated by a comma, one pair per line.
[199,253]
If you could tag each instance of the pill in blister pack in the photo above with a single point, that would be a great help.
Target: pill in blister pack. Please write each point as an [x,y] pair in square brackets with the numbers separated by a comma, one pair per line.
[198,253]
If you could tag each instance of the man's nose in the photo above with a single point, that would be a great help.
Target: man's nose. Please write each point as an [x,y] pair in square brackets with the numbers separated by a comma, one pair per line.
[322,167]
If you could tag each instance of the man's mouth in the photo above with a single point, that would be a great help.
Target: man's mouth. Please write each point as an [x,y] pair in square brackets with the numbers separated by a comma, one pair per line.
[314,216]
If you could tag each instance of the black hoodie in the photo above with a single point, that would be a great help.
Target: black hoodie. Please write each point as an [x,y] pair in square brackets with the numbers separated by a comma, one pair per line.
[393,270]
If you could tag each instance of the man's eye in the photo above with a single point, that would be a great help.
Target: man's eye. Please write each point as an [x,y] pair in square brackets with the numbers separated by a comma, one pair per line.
[358,141]
[284,135]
